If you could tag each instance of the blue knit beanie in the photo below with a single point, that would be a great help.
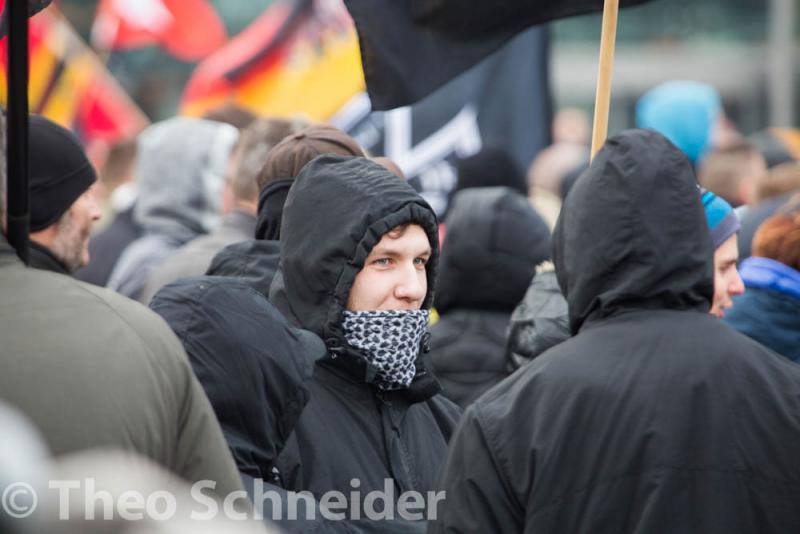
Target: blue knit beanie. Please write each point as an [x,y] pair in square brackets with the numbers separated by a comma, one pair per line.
[682,111]
[722,220]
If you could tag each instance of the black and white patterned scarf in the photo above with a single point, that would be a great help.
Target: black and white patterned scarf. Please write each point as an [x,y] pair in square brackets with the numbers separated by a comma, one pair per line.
[389,340]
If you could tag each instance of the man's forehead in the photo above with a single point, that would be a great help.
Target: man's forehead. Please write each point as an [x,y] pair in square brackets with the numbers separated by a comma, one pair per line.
[411,237]
[728,251]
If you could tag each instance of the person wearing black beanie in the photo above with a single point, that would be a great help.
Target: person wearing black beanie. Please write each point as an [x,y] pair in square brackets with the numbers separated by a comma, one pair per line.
[63,206]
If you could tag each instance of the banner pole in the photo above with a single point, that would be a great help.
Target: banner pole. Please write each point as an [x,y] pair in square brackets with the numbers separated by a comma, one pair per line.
[18,199]
[602,103]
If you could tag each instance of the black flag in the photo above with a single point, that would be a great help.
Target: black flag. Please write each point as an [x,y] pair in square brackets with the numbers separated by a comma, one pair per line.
[503,101]
[409,48]
[468,20]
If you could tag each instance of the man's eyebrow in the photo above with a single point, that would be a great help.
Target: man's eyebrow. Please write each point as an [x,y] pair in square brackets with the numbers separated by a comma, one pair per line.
[393,253]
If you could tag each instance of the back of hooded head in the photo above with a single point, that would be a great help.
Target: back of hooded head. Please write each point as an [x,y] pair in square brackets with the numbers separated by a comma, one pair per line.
[495,239]
[684,112]
[492,166]
[338,209]
[284,163]
[180,174]
[632,233]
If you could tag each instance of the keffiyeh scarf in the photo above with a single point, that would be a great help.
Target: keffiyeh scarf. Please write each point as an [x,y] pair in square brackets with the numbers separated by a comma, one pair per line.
[389,341]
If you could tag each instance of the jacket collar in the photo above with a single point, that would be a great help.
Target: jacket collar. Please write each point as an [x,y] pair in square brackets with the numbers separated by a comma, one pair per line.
[240,220]
[43,259]
[765,273]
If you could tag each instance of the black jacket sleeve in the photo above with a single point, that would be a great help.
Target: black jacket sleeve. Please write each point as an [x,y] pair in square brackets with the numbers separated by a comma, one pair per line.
[477,498]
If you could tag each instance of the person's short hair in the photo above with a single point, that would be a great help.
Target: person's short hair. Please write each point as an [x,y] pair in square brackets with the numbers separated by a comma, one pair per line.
[398,231]
[781,179]
[553,164]
[723,170]
[232,114]
[253,148]
[288,158]
[778,238]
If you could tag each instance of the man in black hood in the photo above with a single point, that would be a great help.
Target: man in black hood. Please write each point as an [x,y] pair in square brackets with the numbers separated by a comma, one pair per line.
[357,269]
[655,416]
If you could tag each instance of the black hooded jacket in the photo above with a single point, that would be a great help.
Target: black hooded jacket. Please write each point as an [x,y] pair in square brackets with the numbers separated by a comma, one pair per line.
[656,417]
[494,241]
[337,210]
[254,367]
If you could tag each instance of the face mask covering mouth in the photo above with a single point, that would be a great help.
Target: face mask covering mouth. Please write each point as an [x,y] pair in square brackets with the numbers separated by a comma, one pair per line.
[389,341]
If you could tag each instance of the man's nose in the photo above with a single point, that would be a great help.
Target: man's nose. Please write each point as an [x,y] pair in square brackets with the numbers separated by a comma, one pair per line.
[412,285]
[737,284]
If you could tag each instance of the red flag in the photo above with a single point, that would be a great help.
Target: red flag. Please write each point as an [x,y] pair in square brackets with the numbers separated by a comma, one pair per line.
[69,85]
[188,29]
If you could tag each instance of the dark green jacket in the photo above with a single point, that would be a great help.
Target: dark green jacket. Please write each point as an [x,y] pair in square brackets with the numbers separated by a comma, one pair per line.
[93,369]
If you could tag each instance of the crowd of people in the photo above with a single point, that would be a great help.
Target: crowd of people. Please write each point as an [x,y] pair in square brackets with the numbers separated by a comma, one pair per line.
[604,346]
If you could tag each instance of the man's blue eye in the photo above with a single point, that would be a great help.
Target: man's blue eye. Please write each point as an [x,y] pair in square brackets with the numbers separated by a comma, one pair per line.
[382,261]
[421,261]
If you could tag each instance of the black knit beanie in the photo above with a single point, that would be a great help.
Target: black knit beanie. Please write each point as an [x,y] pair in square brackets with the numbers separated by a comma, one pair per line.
[60,172]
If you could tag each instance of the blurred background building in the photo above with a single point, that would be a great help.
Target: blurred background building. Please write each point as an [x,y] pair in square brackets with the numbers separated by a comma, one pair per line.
[747,49]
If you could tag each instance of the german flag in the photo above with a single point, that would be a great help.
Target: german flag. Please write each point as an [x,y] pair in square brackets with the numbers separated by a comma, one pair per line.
[70,85]
[298,57]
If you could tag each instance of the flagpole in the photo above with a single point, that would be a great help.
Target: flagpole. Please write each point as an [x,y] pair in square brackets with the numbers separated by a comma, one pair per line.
[18,201]
[602,103]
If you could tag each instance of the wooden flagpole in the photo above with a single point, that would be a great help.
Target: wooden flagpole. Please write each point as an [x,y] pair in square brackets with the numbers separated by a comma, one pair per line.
[602,102]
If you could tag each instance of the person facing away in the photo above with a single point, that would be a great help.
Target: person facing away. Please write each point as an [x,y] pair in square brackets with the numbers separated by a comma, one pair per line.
[541,320]
[734,172]
[179,177]
[358,265]
[769,310]
[239,206]
[655,417]
[686,112]
[62,201]
[495,239]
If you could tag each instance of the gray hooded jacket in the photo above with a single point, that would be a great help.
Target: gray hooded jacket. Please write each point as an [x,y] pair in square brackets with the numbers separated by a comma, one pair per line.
[179,175]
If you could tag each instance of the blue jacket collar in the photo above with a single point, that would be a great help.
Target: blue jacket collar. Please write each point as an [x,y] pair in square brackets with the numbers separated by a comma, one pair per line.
[765,273]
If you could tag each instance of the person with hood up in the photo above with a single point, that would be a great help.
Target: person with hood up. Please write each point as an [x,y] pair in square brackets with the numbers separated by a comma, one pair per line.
[655,416]
[495,239]
[769,310]
[541,320]
[358,266]
[179,177]
[256,260]
[239,205]
[685,112]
